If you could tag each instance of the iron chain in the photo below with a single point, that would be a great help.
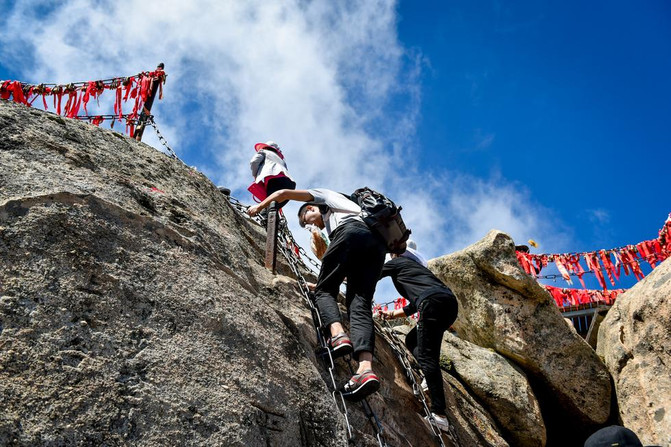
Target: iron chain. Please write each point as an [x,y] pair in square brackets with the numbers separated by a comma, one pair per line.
[161,138]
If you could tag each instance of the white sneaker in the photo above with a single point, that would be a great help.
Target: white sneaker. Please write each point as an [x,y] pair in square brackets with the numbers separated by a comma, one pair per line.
[424,385]
[440,421]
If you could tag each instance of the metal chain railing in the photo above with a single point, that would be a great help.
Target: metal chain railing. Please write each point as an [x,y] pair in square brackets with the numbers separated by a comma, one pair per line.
[294,262]
[161,138]
[323,350]
[242,209]
[301,254]
[398,347]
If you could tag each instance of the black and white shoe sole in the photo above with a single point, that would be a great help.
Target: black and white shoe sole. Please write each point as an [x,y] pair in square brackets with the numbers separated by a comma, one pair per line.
[365,390]
[341,351]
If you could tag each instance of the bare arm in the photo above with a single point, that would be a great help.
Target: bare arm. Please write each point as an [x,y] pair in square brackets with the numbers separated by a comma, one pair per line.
[392,314]
[300,195]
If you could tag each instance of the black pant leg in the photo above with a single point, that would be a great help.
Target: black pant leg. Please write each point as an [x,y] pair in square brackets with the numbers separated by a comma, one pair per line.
[411,341]
[363,273]
[362,329]
[331,276]
[277,183]
[432,324]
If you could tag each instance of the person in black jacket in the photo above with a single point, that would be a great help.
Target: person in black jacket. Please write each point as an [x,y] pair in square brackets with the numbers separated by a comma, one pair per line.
[437,307]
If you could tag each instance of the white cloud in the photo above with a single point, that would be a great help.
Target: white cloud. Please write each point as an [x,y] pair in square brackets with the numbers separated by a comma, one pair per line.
[310,75]
[318,77]
[483,140]
[598,216]
[451,211]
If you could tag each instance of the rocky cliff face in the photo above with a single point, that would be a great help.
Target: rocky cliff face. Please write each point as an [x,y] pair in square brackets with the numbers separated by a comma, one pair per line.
[135,310]
[133,306]
[635,343]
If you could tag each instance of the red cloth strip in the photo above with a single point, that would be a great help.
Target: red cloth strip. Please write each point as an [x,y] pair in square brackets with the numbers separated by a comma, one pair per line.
[573,297]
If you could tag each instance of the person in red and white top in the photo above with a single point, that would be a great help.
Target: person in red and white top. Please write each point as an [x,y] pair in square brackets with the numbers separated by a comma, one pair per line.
[270,171]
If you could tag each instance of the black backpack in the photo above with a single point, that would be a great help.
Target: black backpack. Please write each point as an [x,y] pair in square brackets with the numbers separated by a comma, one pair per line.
[383,216]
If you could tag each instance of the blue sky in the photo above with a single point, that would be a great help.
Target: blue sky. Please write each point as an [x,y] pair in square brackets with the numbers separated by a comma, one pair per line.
[569,100]
[547,120]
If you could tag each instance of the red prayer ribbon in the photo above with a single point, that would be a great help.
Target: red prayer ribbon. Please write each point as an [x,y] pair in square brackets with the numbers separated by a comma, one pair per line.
[626,258]
[136,88]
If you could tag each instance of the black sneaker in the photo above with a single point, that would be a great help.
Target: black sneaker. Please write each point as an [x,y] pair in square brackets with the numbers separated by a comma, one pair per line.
[361,386]
[340,345]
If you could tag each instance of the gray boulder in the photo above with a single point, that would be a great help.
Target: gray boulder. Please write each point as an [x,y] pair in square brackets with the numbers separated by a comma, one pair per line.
[473,424]
[503,308]
[501,388]
[635,343]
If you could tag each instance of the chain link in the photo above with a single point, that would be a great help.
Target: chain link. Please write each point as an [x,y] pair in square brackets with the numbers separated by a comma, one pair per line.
[398,347]
[161,138]
[302,254]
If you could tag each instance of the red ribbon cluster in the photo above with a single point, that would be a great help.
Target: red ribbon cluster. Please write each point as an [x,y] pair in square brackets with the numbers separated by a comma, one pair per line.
[378,308]
[78,94]
[611,262]
[399,303]
[575,297]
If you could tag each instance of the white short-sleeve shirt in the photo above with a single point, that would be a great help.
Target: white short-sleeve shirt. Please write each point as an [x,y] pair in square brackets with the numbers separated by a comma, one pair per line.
[341,209]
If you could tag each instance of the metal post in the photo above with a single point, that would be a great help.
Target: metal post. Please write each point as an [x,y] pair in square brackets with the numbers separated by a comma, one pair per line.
[146,108]
[271,237]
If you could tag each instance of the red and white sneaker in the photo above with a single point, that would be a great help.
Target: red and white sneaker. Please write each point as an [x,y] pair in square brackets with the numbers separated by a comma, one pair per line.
[340,345]
[361,386]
